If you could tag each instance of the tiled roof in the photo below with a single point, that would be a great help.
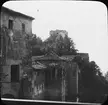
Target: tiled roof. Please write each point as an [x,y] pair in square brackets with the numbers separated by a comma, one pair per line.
[39,65]
[50,56]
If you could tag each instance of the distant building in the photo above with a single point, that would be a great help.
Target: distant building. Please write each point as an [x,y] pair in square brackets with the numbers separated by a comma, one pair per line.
[59,33]
[15,26]
[84,56]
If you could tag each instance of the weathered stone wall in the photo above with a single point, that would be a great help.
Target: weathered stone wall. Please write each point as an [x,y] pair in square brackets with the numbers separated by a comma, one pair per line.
[6,71]
[10,88]
[14,46]
[7,86]
[17,22]
[15,41]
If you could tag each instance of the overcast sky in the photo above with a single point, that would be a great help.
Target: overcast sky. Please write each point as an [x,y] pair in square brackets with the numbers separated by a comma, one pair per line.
[85,22]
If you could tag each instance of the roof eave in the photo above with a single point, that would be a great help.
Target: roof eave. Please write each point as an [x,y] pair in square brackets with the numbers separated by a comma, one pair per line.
[17,13]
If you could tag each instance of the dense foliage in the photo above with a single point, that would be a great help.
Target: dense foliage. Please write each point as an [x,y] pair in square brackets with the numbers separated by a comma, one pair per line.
[106,75]
[59,42]
[92,84]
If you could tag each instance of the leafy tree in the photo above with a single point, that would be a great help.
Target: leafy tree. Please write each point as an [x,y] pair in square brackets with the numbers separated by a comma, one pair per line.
[59,42]
[106,75]
[39,41]
[91,79]
[90,71]
[35,41]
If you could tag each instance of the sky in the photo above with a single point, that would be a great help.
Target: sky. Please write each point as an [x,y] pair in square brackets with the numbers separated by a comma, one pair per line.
[85,22]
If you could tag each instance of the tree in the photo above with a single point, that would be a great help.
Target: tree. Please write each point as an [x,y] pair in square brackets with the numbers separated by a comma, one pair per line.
[39,41]
[35,43]
[91,79]
[106,75]
[90,72]
[59,42]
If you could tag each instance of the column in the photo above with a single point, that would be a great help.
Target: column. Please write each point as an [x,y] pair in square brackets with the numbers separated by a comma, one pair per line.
[56,74]
[63,85]
[77,71]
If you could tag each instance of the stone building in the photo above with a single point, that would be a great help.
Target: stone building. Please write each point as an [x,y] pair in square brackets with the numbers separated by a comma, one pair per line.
[15,29]
[59,33]
[16,21]
[61,77]
[84,56]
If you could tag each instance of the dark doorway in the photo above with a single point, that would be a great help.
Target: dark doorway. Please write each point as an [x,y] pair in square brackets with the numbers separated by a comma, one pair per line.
[14,73]
[47,77]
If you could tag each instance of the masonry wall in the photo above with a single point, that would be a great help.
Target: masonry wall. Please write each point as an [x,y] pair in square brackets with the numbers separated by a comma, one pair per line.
[14,51]
[9,87]
[17,22]
[17,41]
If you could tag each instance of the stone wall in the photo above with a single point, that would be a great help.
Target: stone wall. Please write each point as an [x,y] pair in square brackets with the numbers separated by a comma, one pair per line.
[15,39]
[14,46]
[17,22]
